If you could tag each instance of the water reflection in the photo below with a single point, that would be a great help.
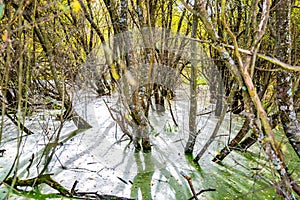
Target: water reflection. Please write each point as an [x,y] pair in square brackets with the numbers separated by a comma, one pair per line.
[142,181]
[153,181]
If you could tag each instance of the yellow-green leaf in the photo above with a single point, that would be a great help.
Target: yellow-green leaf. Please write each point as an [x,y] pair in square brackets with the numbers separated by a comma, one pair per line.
[4,36]
[114,72]
[75,5]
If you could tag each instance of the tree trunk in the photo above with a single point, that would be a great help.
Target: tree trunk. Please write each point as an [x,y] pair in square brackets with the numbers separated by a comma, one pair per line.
[285,78]
[193,98]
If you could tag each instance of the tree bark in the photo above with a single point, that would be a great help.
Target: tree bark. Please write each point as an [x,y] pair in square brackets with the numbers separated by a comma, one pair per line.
[193,97]
[285,78]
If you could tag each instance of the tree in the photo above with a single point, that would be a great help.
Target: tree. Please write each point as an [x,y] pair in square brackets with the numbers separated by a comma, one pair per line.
[142,51]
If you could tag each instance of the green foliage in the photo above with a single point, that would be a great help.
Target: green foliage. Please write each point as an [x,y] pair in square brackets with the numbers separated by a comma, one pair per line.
[170,128]
[2,9]
[201,81]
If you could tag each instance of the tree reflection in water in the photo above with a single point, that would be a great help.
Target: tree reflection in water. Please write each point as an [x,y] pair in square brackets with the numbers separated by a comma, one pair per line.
[144,175]
[144,184]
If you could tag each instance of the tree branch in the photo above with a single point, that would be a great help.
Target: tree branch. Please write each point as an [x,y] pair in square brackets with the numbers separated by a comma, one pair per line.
[273,60]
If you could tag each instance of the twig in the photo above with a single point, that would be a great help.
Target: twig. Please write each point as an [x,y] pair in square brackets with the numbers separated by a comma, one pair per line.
[122,180]
[189,180]
[95,195]
[73,191]
[201,191]
[30,163]
[171,111]
[267,70]
[119,122]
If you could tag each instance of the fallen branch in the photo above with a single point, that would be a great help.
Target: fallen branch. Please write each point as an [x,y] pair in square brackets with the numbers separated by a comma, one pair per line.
[214,134]
[93,195]
[46,179]
[32,182]
[96,196]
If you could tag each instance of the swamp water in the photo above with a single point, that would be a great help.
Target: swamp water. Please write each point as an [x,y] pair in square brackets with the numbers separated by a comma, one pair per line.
[96,159]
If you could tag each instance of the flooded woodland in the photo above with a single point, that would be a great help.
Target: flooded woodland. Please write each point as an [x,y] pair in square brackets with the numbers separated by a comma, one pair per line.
[177,99]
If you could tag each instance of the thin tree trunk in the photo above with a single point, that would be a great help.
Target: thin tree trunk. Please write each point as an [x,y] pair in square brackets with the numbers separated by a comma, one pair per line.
[193,97]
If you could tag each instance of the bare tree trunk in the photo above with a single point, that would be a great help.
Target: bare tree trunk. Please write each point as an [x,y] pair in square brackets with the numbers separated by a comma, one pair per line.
[193,98]
[285,78]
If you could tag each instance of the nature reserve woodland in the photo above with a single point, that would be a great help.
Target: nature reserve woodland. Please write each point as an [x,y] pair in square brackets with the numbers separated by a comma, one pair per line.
[152,99]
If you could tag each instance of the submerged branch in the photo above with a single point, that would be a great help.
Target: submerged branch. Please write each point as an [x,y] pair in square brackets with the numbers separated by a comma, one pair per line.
[46,179]
[32,182]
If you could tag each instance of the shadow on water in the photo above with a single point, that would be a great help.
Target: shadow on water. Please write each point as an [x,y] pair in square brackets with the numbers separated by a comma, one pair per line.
[231,180]
[96,160]
[143,179]
[153,181]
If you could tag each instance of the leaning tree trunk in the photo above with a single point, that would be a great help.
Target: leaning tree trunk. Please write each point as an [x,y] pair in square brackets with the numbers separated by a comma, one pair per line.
[284,78]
